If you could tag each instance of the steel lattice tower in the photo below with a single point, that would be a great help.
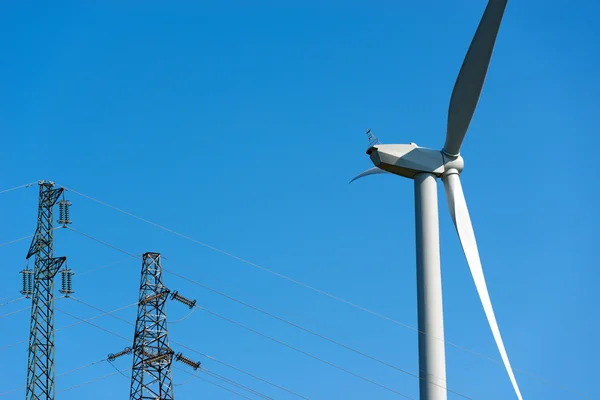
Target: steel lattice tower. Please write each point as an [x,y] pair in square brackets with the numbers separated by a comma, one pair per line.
[40,365]
[152,356]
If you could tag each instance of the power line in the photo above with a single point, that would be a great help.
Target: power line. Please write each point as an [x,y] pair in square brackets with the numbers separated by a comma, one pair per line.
[16,240]
[197,352]
[128,340]
[233,383]
[303,352]
[262,268]
[94,325]
[182,318]
[12,301]
[369,311]
[15,312]
[27,308]
[102,267]
[61,374]
[331,340]
[18,187]
[91,381]
[104,243]
[309,331]
[8,297]
[75,324]
[239,370]
[287,322]
[212,383]
[25,237]
[264,335]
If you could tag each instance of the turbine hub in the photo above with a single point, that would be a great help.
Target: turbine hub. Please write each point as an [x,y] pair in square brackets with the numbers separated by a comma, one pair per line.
[408,160]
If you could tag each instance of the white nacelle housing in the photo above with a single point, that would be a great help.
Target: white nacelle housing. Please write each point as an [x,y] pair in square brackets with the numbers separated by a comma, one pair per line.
[409,159]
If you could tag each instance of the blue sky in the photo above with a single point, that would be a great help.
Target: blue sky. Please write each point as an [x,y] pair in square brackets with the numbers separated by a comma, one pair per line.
[241,126]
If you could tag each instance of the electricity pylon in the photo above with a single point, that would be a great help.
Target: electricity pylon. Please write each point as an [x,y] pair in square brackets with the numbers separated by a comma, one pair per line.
[39,284]
[152,356]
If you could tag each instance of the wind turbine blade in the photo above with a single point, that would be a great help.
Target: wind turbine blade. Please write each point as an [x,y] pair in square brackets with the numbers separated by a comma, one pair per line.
[471,77]
[372,171]
[460,215]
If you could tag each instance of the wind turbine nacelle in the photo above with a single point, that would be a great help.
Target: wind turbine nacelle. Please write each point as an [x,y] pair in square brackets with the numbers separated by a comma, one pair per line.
[408,160]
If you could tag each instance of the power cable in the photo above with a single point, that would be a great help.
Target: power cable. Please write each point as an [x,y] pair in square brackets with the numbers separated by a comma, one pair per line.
[59,375]
[91,381]
[16,240]
[304,352]
[292,324]
[129,341]
[308,331]
[92,324]
[374,313]
[262,268]
[73,325]
[18,187]
[212,383]
[182,318]
[8,297]
[197,352]
[28,307]
[233,383]
[15,312]
[184,383]
[12,301]
[117,369]
[104,243]
[25,237]
[102,267]
[239,370]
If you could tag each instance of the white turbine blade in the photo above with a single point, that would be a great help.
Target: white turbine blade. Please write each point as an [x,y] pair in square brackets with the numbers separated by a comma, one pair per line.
[460,215]
[372,171]
[471,77]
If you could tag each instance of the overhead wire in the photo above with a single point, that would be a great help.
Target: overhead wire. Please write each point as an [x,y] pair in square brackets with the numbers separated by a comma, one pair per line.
[316,290]
[18,187]
[273,339]
[8,297]
[234,383]
[28,307]
[184,383]
[102,267]
[90,381]
[387,364]
[16,240]
[26,237]
[295,325]
[15,312]
[92,324]
[129,341]
[280,275]
[364,378]
[198,352]
[238,369]
[117,369]
[12,301]
[72,325]
[57,376]
[137,257]
[212,383]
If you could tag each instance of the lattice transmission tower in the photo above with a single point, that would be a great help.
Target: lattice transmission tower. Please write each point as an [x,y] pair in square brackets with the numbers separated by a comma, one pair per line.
[39,284]
[152,357]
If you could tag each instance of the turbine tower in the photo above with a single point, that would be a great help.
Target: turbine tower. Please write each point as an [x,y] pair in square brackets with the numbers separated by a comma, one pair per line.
[424,166]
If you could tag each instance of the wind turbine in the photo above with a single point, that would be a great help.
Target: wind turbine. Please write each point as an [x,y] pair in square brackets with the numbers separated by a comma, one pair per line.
[424,166]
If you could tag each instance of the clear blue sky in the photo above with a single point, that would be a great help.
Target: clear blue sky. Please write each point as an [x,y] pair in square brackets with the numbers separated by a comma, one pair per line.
[241,127]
